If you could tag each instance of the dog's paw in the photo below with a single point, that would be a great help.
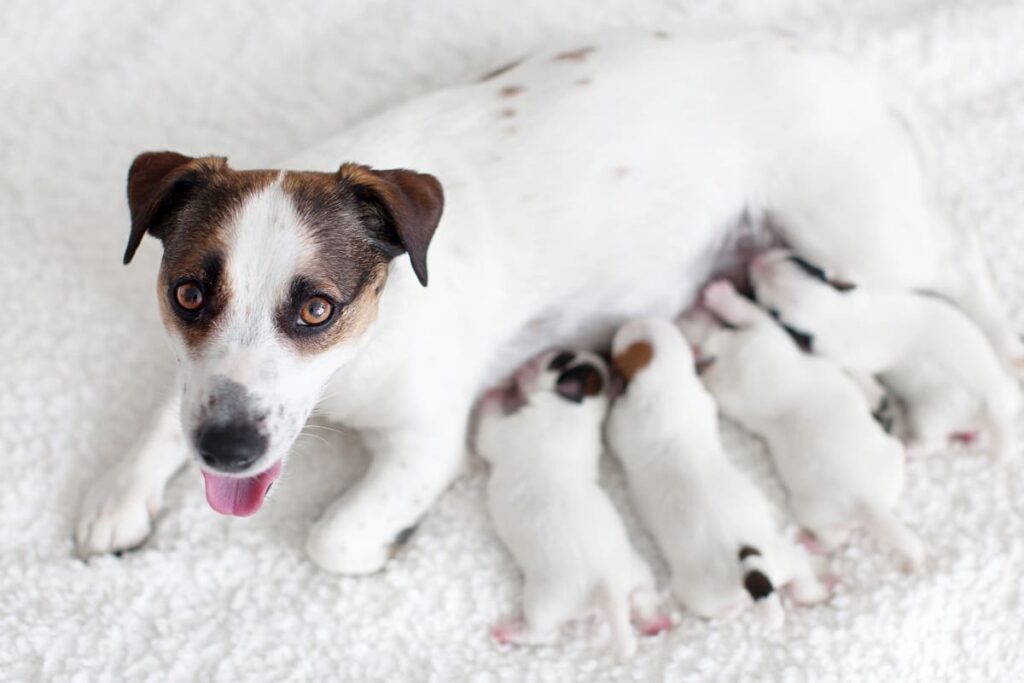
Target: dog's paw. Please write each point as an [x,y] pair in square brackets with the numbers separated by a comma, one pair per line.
[116,514]
[341,550]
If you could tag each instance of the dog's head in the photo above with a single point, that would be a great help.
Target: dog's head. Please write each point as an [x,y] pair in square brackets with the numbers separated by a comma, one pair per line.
[798,293]
[269,282]
[651,348]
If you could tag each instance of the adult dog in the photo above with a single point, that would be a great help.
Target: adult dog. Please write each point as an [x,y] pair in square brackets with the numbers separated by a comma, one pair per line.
[580,188]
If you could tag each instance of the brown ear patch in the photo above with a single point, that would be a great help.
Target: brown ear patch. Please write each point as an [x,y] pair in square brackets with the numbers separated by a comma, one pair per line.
[413,201]
[635,358]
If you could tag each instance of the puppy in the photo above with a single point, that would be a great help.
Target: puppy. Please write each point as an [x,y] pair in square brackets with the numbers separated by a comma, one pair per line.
[840,468]
[933,357]
[550,512]
[715,528]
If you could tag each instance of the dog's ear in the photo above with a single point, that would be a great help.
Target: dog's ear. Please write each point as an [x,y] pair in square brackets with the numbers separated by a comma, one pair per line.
[579,382]
[159,184]
[633,359]
[408,203]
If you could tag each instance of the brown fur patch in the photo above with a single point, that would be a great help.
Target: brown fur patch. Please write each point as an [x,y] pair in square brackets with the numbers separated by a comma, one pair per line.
[577,55]
[491,75]
[511,90]
[188,203]
[634,359]
[508,113]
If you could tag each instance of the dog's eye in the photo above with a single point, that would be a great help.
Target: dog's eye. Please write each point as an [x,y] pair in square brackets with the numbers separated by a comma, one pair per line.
[189,295]
[315,311]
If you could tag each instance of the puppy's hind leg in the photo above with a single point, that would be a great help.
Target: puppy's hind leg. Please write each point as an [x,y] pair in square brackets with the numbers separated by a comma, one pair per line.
[118,510]
[616,607]
[546,607]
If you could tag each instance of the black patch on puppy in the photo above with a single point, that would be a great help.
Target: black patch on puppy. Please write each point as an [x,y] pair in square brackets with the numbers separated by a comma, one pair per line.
[842,285]
[561,361]
[746,551]
[812,270]
[804,340]
[758,585]
[701,366]
[579,382]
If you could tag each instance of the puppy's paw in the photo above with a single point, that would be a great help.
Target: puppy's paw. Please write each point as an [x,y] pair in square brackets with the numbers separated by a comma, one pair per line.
[717,293]
[343,549]
[117,513]
[655,625]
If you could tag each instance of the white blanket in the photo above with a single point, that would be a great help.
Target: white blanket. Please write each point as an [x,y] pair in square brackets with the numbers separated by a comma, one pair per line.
[86,85]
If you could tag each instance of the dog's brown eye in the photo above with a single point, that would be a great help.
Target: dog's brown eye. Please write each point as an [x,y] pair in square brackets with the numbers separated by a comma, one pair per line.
[189,296]
[316,311]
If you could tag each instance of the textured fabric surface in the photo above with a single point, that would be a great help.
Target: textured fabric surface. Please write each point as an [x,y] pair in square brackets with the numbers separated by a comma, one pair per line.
[85,86]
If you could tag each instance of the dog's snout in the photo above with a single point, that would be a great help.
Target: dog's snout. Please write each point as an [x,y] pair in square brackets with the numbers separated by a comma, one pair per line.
[231,447]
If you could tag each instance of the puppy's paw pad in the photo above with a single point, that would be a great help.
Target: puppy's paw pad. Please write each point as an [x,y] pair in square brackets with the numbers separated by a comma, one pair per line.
[655,625]
[810,542]
[116,514]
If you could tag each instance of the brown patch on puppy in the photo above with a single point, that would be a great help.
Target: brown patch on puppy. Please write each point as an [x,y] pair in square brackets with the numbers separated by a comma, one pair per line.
[490,75]
[577,55]
[634,359]
[511,90]
[188,203]
[508,113]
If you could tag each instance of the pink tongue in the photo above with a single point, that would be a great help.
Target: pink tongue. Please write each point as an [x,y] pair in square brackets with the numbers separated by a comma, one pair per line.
[239,497]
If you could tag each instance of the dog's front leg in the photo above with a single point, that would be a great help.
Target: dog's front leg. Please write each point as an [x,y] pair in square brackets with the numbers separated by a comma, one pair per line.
[411,467]
[118,510]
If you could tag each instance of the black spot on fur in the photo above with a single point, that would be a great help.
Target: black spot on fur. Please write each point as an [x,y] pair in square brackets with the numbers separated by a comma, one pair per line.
[804,340]
[758,585]
[560,361]
[404,535]
[746,551]
[812,270]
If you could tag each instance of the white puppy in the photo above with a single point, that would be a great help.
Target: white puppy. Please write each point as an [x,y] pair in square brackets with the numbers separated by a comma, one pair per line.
[715,528]
[550,511]
[840,468]
[925,349]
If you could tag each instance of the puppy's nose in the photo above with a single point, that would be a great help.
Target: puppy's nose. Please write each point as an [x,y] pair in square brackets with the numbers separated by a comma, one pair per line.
[231,447]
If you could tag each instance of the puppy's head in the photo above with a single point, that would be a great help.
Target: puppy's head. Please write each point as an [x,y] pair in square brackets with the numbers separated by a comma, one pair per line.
[650,348]
[577,377]
[269,283]
[798,293]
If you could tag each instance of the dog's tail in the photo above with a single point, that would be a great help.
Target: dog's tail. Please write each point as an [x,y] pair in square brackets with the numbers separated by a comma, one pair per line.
[895,534]
[756,582]
[615,605]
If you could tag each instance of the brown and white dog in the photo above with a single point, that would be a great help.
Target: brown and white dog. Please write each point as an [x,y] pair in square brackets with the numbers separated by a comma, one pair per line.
[282,290]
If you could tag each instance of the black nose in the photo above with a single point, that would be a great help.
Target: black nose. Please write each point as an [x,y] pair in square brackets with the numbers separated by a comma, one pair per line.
[231,447]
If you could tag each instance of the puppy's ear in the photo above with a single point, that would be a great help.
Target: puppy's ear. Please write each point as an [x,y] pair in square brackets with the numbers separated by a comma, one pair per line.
[579,382]
[407,204]
[635,358]
[841,285]
[159,185]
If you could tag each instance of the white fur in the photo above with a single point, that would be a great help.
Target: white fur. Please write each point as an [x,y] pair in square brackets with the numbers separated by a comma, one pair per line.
[925,349]
[550,512]
[610,193]
[840,468]
[701,509]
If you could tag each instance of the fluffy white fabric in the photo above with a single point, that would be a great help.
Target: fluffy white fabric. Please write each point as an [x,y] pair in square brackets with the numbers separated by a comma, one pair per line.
[85,86]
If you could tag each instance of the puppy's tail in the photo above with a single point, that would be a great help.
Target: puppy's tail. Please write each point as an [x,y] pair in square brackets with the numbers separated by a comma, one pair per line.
[760,587]
[615,605]
[895,534]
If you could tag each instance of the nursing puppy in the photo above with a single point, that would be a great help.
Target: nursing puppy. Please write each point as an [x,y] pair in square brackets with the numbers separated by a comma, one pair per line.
[933,357]
[840,468]
[715,528]
[550,512]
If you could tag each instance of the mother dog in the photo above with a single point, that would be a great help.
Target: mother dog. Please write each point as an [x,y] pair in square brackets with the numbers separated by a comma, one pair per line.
[578,188]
